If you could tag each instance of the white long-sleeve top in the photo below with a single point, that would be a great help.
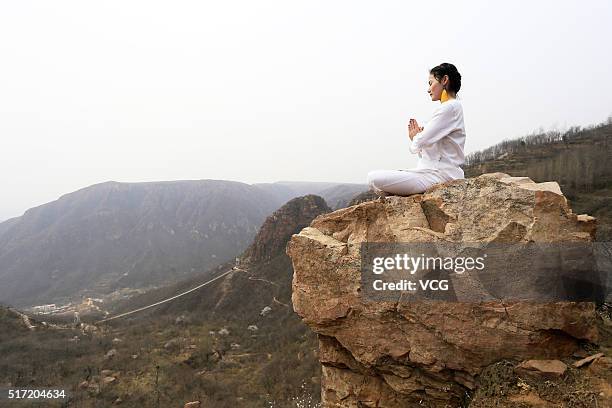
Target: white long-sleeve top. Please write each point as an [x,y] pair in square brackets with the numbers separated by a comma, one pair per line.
[440,145]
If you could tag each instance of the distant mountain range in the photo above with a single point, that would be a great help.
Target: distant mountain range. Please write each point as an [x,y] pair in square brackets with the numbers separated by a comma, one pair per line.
[137,235]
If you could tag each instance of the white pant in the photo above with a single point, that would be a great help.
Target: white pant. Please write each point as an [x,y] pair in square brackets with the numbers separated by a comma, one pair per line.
[406,182]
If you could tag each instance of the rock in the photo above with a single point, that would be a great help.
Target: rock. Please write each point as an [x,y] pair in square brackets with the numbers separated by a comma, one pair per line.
[363,197]
[109,373]
[541,368]
[193,404]
[118,401]
[278,228]
[93,389]
[110,354]
[182,320]
[108,380]
[587,360]
[83,384]
[88,328]
[223,332]
[117,340]
[393,354]
[234,346]
[134,356]
[601,366]
[172,344]
[265,311]
[531,399]
[252,328]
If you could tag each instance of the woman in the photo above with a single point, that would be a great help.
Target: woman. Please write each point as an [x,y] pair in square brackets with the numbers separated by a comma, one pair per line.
[439,144]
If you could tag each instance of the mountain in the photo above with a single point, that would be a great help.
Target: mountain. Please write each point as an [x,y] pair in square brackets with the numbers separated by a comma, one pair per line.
[115,236]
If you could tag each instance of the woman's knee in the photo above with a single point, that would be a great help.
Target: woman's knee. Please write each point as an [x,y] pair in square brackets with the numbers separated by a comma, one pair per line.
[396,182]
[374,178]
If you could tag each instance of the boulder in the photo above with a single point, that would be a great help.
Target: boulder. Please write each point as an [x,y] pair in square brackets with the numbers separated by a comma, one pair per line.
[396,354]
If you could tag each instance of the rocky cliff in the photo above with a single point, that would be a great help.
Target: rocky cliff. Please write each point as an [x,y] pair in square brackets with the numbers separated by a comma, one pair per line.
[278,228]
[432,353]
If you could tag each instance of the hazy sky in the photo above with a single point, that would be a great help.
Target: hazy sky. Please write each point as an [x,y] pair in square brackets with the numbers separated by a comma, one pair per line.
[261,91]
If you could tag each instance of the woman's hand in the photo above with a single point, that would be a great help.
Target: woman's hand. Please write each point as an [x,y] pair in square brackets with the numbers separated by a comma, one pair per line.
[413,128]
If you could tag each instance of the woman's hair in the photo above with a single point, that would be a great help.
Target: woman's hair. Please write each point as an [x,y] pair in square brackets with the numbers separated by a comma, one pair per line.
[453,75]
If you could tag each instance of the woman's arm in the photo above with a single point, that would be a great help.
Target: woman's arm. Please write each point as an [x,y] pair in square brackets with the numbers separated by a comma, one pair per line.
[441,124]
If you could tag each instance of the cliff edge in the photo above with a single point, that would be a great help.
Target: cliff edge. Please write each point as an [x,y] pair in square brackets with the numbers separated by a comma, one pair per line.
[432,353]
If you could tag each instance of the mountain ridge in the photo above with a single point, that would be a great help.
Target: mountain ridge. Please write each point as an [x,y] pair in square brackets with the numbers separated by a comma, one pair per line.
[113,236]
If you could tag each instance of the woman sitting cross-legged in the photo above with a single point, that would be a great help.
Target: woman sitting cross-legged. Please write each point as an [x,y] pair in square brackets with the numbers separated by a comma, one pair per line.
[439,144]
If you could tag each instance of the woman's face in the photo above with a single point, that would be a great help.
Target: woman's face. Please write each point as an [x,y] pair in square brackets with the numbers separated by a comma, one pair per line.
[435,87]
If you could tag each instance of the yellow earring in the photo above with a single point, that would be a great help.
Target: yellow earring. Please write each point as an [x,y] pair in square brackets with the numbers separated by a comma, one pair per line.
[444,96]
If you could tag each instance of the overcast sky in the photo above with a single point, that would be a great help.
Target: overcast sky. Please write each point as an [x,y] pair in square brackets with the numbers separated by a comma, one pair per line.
[261,91]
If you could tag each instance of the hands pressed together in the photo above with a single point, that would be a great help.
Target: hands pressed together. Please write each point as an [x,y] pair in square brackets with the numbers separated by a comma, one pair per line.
[413,128]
